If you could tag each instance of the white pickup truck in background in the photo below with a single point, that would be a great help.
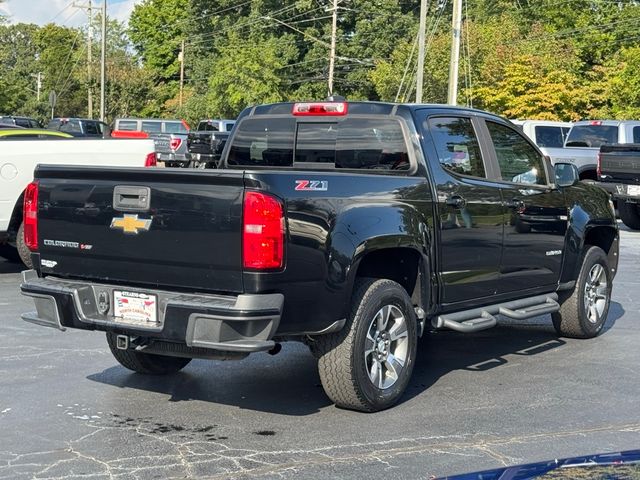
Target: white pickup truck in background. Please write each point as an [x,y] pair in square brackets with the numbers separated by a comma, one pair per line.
[19,158]
[545,133]
[585,138]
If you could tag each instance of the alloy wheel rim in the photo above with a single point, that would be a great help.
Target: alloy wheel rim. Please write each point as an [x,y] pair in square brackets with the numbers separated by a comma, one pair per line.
[386,347]
[596,293]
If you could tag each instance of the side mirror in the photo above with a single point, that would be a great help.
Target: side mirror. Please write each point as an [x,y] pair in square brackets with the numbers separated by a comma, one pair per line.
[566,174]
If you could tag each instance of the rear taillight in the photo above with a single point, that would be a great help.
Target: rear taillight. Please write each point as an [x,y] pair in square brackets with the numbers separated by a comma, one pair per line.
[151,160]
[262,232]
[175,143]
[599,167]
[320,109]
[30,216]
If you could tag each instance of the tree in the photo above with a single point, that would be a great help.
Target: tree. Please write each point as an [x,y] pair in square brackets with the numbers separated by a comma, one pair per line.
[248,73]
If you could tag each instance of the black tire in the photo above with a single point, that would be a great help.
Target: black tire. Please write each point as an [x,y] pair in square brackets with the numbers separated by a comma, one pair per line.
[23,250]
[343,368]
[629,214]
[144,362]
[573,318]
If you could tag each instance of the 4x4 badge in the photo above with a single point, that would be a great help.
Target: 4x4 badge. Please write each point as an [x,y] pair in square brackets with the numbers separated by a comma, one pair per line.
[131,224]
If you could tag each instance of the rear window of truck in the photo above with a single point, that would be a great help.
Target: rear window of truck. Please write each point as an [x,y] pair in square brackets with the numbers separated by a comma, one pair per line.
[550,137]
[350,143]
[593,136]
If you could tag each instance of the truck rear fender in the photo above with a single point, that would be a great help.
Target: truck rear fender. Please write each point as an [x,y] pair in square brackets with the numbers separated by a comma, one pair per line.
[387,243]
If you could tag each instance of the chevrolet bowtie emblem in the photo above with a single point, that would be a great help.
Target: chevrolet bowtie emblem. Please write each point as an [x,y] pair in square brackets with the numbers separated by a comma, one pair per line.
[131,224]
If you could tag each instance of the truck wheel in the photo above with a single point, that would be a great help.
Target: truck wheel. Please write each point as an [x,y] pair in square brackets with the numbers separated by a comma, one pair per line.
[367,365]
[584,312]
[145,362]
[629,214]
[23,250]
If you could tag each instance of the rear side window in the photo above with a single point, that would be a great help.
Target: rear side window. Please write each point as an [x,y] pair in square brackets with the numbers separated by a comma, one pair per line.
[353,143]
[91,128]
[128,125]
[550,137]
[519,161]
[457,145]
[152,127]
[636,134]
[592,136]
[72,126]
[207,127]
[23,122]
[175,127]
[229,127]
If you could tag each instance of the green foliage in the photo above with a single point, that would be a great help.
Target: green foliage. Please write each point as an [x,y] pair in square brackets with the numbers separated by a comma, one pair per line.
[551,59]
[248,74]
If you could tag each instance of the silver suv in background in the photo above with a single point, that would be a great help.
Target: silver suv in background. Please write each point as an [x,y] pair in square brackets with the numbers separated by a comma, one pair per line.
[169,135]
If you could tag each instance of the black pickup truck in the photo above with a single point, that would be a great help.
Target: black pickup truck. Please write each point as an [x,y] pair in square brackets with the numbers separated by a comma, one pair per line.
[352,227]
[619,174]
[207,142]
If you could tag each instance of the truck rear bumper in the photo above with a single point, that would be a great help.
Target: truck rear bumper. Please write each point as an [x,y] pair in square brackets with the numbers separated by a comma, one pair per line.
[619,191]
[242,323]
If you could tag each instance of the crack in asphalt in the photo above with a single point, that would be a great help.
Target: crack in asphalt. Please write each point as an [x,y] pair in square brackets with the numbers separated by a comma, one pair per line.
[202,451]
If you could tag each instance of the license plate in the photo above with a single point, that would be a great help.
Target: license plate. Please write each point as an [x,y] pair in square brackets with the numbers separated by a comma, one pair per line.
[633,189]
[135,307]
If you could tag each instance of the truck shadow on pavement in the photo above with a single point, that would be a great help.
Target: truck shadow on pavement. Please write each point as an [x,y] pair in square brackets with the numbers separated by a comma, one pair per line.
[10,267]
[288,383]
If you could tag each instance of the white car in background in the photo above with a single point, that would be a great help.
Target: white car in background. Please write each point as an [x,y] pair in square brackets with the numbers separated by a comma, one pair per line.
[19,158]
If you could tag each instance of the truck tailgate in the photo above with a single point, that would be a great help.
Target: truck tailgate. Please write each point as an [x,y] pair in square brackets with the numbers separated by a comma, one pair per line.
[189,236]
[620,163]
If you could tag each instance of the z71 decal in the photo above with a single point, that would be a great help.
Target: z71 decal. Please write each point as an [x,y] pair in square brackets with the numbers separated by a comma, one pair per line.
[312,185]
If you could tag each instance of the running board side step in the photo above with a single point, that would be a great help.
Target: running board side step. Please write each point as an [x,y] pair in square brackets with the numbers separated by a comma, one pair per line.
[477,319]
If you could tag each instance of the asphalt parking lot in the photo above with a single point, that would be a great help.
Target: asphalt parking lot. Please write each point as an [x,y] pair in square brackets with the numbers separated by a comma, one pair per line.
[509,395]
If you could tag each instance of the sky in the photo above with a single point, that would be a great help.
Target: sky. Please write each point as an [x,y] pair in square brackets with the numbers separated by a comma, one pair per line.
[61,12]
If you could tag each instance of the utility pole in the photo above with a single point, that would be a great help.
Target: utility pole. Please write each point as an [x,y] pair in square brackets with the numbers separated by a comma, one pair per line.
[38,77]
[332,51]
[181,58]
[89,8]
[89,61]
[422,30]
[456,28]
[103,62]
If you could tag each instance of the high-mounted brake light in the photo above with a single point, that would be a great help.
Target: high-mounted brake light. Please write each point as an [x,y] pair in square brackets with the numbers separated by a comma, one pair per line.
[262,232]
[151,160]
[320,109]
[30,216]
[175,143]
[597,123]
